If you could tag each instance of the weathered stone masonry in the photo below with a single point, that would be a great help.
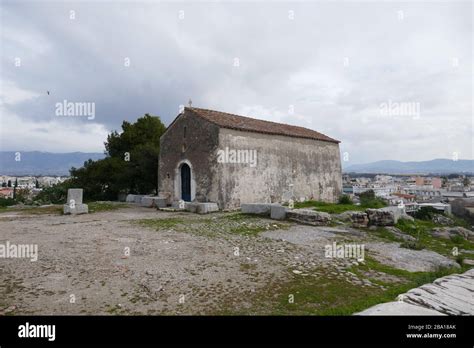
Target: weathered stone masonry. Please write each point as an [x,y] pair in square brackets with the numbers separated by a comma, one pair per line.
[292,162]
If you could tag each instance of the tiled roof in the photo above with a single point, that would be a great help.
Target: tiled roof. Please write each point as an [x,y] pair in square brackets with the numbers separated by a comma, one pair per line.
[231,121]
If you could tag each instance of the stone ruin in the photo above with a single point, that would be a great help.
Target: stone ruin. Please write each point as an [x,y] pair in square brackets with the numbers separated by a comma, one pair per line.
[74,203]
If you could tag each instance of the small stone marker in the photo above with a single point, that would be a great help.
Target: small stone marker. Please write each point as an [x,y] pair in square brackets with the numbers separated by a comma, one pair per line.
[74,203]
[278,212]
[74,194]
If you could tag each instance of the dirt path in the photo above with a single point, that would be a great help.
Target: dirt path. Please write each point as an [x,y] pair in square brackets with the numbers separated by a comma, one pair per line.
[83,266]
[137,260]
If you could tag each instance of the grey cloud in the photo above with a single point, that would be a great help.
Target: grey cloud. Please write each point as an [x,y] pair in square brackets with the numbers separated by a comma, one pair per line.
[283,62]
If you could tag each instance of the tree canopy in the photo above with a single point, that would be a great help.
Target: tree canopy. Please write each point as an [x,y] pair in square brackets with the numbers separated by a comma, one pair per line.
[130,165]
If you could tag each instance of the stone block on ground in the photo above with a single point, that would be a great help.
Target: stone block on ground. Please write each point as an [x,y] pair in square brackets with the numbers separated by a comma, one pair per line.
[257,208]
[147,201]
[74,195]
[153,202]
[130,198]
[76,209]
[309,216]
[161,202]
[138,198]
[278,212]
[358,219]
[201,207]
[176,205]
[207,207]
[383,217]
[191,207]
[74,203]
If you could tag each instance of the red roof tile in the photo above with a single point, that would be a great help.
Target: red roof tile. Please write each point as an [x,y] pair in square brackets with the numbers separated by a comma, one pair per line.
[231,121]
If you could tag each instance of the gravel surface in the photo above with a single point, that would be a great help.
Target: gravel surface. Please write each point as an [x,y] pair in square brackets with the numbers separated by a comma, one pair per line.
[82,266]
[117,262]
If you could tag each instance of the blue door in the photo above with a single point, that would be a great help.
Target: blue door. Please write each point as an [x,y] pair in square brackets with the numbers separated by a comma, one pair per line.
[185,183]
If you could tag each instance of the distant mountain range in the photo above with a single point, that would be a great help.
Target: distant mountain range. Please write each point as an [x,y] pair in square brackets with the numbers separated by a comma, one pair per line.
[43,163]
[436,166]
[47,163]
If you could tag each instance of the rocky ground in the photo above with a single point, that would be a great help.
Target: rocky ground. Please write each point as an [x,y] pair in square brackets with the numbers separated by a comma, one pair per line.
[137,260]
[450,295]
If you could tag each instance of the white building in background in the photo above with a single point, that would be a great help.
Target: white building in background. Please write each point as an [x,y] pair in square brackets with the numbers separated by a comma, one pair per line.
[47,181]
[383,179]
[380,191]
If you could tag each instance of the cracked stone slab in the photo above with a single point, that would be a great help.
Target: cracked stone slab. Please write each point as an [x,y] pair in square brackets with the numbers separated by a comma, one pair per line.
[398,308]
[450,295]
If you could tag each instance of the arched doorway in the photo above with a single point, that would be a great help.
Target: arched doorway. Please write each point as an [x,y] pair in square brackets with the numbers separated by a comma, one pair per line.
[185,182]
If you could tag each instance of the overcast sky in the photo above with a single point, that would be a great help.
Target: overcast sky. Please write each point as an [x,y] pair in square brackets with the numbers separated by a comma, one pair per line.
[338,68]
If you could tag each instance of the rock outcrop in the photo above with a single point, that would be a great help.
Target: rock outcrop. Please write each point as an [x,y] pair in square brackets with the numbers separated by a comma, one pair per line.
[408,259]
[309,216]
[381,217]
[450,295]
[448,232]
[358,219]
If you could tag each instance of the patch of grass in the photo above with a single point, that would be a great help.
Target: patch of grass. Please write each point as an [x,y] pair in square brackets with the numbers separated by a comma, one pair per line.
[457,239]
[337,208]
[51,209]
[246,267]
[414,278]
[420,229]
[113,309]
[57,209]
[332,208]
[460,259]
[334,295]
[160,224]
[412,244]
[459,221]
[240,217]
[327,296]
[383,233]
[96,207]
[251,229]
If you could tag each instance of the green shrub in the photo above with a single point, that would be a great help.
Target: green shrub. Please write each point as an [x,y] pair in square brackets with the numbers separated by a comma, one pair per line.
[367,196]
[5,202]
[22,195]
[345,199]
[368,200]
[457,239]
[426,213]
[460,260]
[56,194]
